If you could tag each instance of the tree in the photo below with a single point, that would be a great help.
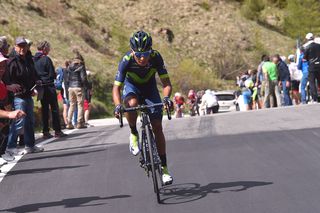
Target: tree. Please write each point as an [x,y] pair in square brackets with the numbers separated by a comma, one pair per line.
[302,16]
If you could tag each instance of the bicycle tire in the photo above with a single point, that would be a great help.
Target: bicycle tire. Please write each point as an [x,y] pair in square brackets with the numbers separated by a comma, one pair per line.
[153,166]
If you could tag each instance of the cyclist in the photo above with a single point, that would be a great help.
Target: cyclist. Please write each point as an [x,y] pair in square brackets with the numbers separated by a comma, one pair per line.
[136,74]
[192,101]
[179,103]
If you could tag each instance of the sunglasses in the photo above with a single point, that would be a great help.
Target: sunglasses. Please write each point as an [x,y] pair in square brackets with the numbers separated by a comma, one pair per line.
[142,54]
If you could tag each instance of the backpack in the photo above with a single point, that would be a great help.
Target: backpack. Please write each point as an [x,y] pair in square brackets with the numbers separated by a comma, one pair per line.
[59,79]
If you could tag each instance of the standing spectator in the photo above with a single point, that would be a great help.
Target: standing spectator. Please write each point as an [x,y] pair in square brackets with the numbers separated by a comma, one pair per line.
[87,99]
[271,89]
[296,76]
[256,103]
[261,82]
[247,94]
[284,78]
[304,67]
[77,81]
[199,101]
[209,102]
[4,102]
[21,71]
[312,55]
[47,75]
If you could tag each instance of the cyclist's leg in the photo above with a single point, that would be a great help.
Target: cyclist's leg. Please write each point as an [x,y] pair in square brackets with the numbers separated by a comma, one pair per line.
[131,101]
[131,98]
[159,136]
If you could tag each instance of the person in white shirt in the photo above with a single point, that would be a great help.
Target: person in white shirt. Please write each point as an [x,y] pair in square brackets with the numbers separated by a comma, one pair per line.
[295,75]
[209,102]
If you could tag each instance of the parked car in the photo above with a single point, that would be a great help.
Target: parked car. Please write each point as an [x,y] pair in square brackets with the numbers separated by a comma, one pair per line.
[227,101]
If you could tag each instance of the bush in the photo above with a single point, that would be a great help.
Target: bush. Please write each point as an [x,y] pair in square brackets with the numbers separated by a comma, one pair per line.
[190,75]
[251,9]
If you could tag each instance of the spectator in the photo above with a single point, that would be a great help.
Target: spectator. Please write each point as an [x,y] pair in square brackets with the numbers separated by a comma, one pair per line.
[304,67]
[4,46]
[87,99]
[62,77]
[210,102]
[284,78]
[261,82]
[271,89]
[247,94]
[256,103]
[77,81]
[296,76]
[4,123]
[199,101]
[312,55]
[21,71]
[47,75]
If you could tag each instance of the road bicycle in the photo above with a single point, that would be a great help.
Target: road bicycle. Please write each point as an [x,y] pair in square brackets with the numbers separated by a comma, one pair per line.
[149,157]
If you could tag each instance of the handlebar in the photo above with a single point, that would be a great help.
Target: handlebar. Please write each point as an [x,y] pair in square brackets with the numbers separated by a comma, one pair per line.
[142,108]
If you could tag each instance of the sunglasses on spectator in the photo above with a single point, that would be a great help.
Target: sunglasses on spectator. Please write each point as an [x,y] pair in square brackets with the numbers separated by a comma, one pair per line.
[142,54]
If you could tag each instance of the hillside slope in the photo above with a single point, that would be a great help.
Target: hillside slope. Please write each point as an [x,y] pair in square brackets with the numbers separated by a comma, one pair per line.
[200,40]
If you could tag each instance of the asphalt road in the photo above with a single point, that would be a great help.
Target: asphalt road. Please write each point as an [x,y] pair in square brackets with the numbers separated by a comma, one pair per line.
[265,161]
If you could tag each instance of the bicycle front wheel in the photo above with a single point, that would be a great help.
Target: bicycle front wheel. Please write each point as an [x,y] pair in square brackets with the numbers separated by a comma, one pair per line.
[153,166]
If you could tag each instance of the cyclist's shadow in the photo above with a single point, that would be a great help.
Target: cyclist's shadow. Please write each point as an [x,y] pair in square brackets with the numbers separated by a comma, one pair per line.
[188,192]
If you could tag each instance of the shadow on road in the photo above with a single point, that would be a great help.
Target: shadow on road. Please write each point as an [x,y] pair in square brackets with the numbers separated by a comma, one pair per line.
[66,203]
[189,192]
[66,154]
[42,170]
[80,147]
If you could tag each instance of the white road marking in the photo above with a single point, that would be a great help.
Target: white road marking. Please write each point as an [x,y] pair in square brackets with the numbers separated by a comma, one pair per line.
[5,169]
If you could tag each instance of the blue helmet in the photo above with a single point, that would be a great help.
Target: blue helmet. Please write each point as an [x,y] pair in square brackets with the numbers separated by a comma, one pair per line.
[141,41]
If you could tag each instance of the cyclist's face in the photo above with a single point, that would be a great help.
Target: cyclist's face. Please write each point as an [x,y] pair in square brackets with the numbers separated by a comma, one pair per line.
[142,61]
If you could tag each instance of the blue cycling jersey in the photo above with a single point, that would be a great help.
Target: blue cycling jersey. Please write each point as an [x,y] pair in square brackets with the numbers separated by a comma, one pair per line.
[130,71]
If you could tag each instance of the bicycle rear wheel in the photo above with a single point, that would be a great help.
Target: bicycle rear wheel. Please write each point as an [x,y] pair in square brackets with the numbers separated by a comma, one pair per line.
[153,166]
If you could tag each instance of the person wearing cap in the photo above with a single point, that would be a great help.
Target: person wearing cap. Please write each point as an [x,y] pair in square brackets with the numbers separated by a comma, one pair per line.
[312,55]
[296,76]
[47,75]
[21,71]
[76,83]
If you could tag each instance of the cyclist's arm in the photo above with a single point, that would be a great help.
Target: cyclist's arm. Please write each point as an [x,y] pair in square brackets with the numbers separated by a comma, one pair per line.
[119,80]
[116,95]
[167,87]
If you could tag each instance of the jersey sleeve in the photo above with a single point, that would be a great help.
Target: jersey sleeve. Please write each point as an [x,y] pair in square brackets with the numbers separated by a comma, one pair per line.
[122,71]
[161,68]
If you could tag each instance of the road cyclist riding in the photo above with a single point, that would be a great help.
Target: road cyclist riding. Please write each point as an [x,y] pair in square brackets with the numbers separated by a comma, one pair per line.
[136,78]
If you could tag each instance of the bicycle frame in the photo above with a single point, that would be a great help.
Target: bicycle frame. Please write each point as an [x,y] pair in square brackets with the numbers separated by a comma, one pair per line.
[149,157]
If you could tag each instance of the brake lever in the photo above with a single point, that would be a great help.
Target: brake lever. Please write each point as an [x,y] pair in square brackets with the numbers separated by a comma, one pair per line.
[121,120]
[168,112]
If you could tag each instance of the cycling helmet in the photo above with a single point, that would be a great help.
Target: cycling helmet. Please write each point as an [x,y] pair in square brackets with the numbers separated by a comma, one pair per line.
[177,94]
[141,41]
